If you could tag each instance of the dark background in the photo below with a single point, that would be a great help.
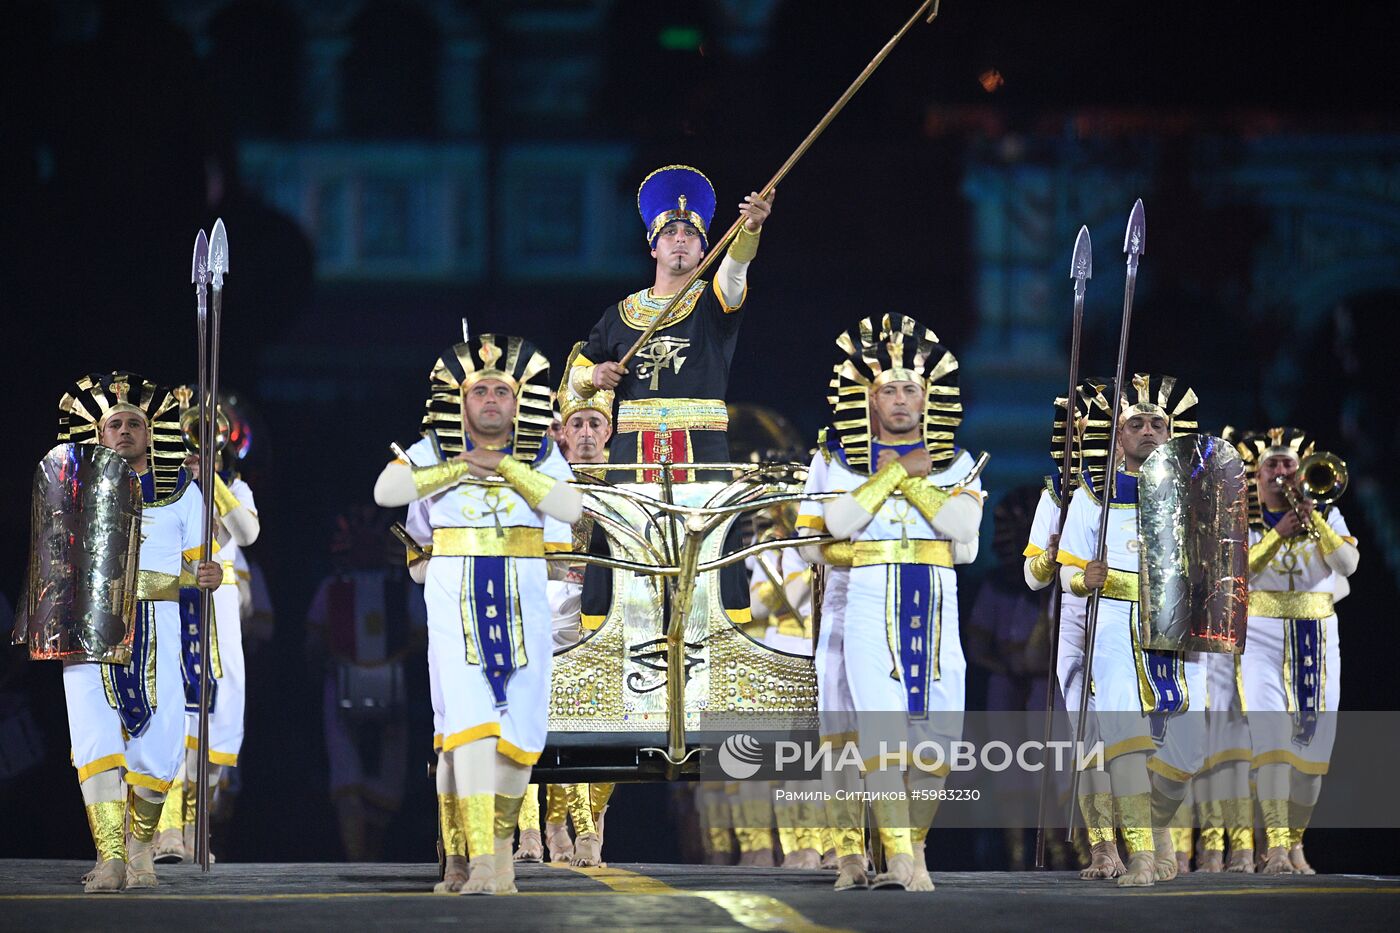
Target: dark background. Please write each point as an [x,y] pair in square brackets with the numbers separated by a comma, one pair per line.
[123,129]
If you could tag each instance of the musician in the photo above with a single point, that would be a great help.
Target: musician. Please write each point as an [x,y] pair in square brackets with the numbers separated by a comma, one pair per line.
[1300,554]
[237,510]
[488,612]
[1151,750]
[126,721]
[1042,545]
[910,509]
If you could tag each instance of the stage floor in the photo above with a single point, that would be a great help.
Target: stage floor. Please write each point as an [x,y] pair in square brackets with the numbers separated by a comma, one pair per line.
[44,895]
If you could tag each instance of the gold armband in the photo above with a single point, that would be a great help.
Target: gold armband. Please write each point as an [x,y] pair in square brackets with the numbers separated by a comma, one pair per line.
[1327,538]
[924,496]
[429,479]
[1042,567]
[1077,585]
[532,485]
[581,380]
[872,493]
[1264,551]
[744,246]
[224,499]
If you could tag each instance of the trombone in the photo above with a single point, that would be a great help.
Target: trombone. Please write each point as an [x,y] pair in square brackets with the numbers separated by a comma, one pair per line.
[1322,477]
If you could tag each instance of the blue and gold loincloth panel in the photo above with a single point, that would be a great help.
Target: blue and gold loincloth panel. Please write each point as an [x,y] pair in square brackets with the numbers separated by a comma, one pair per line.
[914,630]
[189,651]
[491,621]
[1304,673]
[131,688]
[1161,681]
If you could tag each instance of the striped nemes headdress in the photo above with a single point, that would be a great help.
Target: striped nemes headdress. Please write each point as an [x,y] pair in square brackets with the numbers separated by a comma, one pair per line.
[85,407]
[514,361]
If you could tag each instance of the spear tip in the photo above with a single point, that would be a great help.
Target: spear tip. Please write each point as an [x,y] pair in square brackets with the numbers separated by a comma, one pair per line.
[218,248]
[1135,240]
[1082,265]
[199,264]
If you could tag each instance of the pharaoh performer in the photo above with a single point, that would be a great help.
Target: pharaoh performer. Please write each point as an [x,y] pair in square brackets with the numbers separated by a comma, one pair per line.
[910,508]
[364,621]
[1152,750]
[1300,554]
[126,719]
[1090,439]
[488,610]
[585,428]
[238,514]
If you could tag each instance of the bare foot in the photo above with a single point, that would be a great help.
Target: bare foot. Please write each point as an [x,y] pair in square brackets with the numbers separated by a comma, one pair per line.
[1276,862]
[561,847]
[481,875]
[898,873]
[921,881]
[851,873]
[1183,863]
[588,851]
[829,860]
[505,868]
[107,877]
[454,877]
[1210,861]
[90,872]
[1103,862]
[1165,854]
[140,864]
[803,859]
[1299,862]
[531,847]
[1241,861]
[170,847]
[1140,871]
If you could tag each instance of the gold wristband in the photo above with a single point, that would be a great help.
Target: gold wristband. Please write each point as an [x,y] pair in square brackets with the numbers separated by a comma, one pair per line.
[924,496]
[1077,585]
[872,493]
[744,247]
[429,479]
[532,486]
[1264,551]
[1042,567]
[581,380]
[1327,538]
[224,499]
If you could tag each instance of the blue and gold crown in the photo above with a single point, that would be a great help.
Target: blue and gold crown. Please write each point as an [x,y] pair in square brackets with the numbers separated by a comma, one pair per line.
[676,192]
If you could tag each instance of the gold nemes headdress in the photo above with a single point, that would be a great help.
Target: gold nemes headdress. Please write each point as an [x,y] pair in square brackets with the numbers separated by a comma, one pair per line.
[512,360]
[571,401]
[85,408]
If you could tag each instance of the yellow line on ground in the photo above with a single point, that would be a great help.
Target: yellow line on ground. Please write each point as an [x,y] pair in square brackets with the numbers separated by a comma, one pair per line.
[1281,889]
[755,911]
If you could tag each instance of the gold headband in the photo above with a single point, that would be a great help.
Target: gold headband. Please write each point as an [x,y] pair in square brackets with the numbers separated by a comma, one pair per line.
[1280,451]
[1144,408]
[897,374]
[481,375]
[118,409]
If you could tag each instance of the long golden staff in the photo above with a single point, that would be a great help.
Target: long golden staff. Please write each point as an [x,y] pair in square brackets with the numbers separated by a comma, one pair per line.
[1081,269]
[1134,244]
[767,189]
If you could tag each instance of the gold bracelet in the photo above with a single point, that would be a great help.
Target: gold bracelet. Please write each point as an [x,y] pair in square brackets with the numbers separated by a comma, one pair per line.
[224,499]
[1042,567]
[1077,586]
[429,479]
[533,486]
[1327,538]
[871,494]
[924,496]
[744,247]
[581,380]
[1264,551]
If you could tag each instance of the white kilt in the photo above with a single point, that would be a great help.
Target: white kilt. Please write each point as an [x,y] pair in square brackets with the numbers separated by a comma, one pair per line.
[153,758]
[468,703]
[1271,727]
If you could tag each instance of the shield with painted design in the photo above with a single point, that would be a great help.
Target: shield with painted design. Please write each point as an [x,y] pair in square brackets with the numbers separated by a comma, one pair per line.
[1193,525]
[84,553]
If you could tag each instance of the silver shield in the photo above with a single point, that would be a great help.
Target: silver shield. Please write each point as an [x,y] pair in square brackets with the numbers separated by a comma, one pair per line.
[84,553]
[1194,533]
